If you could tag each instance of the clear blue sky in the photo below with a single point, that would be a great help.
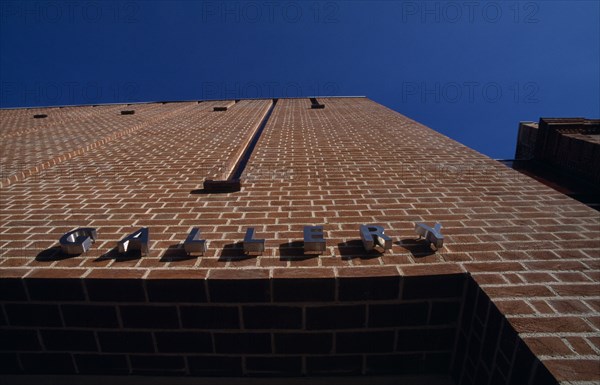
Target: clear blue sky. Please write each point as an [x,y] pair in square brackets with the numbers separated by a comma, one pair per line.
[471,70]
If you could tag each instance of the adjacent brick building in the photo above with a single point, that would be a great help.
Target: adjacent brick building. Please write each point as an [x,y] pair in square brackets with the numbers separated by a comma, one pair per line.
[563,153]
[513,296]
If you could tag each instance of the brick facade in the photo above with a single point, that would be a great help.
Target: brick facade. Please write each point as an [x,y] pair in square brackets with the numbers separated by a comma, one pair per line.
[563,153]
[513,297]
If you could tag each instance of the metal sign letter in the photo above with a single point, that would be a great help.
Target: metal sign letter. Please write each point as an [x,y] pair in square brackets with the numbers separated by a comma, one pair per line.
[432,235]
[138,240]
[78,241]
[314,239]
[373,235]
[252,245]
[193,244]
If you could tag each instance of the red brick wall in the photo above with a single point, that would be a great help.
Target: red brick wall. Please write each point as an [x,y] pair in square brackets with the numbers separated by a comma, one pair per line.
[526,140]
[490,351]
[533,251]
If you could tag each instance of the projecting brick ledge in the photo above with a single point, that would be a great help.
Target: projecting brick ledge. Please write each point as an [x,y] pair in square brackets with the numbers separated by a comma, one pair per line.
[154,296]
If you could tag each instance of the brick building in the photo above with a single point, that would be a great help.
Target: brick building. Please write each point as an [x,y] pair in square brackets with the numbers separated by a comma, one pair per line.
[512,296]
[563,153]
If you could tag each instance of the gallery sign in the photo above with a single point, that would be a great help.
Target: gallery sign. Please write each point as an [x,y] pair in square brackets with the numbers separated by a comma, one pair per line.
[79,241]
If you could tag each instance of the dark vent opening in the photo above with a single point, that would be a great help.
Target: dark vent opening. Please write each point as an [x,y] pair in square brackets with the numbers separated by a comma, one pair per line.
[315,105]
[225,106]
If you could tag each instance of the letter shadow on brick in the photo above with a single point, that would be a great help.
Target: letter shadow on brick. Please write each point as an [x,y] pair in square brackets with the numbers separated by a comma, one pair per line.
[355,249]
[119,257]
[419,248]
[234,252]
[176,253]
[294,251]
[53,254]
[201,191]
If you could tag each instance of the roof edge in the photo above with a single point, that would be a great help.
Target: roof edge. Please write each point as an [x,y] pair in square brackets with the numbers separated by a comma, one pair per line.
[175,101]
